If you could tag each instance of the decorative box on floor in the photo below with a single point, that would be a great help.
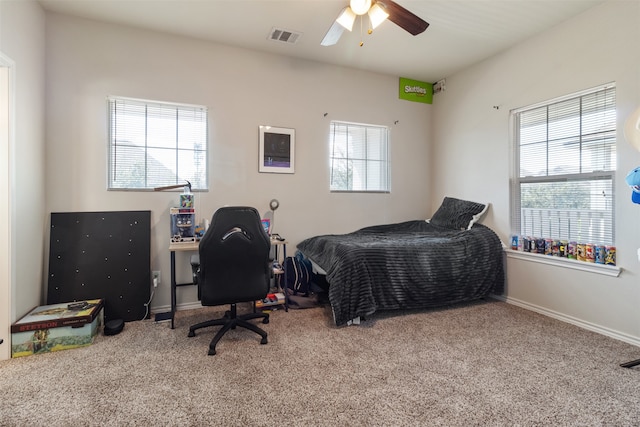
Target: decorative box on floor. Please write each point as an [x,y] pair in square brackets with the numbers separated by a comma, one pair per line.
[57,327]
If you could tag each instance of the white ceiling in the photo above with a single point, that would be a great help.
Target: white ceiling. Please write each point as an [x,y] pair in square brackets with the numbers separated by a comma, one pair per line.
[461,32]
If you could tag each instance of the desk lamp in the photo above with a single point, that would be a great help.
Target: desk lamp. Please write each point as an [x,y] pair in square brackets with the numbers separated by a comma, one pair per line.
[187,187]
[273,204]
[183,217]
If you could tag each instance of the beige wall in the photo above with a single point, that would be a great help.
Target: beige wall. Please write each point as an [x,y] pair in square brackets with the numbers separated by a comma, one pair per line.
[472,154]
[87,61]
[22,29]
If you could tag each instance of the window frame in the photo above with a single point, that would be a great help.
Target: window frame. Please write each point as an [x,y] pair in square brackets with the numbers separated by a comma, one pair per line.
[594,175]
[367,160]
[201,185]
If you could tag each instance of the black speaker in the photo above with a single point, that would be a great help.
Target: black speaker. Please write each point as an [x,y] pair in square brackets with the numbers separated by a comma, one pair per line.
[113,327]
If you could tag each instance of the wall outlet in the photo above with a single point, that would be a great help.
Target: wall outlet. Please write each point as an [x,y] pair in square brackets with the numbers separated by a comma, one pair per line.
[155,278]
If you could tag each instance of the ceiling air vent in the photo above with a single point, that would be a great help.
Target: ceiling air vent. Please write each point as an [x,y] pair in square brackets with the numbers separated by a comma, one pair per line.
[284,36]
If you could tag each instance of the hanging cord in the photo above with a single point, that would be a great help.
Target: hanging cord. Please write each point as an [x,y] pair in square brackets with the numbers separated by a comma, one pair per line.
[146,312]
[369,30]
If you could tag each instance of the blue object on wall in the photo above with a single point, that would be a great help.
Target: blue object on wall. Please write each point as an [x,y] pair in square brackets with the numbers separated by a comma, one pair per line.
[633,181]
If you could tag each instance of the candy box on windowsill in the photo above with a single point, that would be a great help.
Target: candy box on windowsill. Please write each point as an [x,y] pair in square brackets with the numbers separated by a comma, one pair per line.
[57,327]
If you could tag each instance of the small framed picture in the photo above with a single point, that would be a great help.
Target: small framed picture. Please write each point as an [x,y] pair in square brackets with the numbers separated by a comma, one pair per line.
[277,150]
[266,224]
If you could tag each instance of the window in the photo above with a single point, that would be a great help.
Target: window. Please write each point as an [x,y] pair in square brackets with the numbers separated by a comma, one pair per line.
[564,168]
[359,157]
[154,144]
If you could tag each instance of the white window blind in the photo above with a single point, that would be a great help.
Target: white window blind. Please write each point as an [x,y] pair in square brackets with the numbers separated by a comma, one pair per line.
[154,144]
[565,163]
[359,157]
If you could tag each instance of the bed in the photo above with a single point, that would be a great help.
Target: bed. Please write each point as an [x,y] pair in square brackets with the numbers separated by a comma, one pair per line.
[448,259]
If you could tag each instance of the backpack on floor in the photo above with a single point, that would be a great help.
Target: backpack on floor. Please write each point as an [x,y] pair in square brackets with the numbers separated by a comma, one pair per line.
[298,273]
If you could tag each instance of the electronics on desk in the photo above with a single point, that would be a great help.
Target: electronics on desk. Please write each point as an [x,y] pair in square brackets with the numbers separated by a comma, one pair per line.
[178,239]
[266,224]
[183,224]
[187,199]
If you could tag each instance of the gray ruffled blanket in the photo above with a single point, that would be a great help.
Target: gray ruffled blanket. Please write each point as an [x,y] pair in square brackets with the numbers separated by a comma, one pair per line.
[407,265]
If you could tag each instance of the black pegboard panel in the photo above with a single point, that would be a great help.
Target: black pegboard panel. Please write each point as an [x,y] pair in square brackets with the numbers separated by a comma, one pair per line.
[101,255]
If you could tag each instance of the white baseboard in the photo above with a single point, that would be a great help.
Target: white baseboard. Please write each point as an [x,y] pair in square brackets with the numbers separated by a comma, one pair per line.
[569,319]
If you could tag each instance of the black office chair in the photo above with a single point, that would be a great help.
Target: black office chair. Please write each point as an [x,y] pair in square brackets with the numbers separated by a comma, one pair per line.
[233,267]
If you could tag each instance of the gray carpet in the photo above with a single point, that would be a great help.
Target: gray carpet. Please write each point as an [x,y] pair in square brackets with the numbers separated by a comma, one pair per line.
[487,363]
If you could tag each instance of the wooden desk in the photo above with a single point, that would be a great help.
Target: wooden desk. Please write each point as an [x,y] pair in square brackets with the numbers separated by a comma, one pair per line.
[173,248]
[193,247]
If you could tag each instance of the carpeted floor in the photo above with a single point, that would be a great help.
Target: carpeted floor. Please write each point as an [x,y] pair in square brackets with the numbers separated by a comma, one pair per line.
[487,363]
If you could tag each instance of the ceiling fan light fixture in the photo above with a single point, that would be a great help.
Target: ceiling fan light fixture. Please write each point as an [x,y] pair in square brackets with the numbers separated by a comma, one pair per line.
[347,18]
[378,11]
[377,15]
[360,7]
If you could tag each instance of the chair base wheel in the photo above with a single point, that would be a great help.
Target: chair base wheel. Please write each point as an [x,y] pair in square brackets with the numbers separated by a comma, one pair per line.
[231,321]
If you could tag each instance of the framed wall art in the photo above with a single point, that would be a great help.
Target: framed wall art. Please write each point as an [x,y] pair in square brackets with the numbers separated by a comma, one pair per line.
[277,149]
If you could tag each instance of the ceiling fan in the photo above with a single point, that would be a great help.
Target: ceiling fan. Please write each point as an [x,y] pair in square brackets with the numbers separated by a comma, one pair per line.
[378,11]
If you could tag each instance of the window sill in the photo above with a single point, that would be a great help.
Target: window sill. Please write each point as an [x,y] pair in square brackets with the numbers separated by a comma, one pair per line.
[607,270]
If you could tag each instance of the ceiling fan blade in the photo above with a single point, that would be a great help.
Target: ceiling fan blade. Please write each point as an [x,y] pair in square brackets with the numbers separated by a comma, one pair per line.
[333,35]
[403,18]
